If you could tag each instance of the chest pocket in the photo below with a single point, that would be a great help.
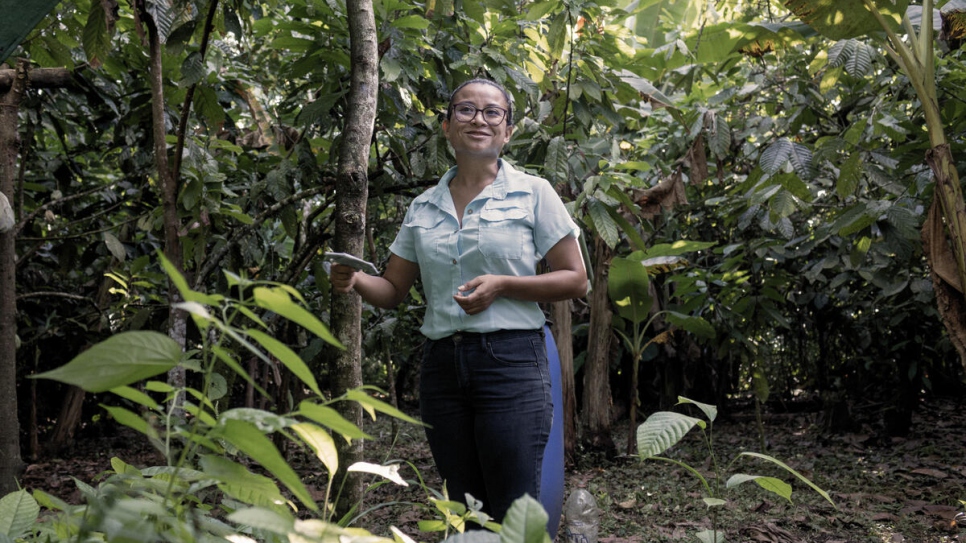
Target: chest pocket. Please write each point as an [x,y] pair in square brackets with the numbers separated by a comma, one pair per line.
[429,232]
[504,232]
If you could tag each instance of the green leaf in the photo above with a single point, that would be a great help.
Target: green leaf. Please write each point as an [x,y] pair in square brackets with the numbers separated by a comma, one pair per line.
[177,278]
[131,420]
[646,88]
[18,513]
[96,39]
[555,165]
[371,404]
[277,521]
[604,225]
[661,431]
[525,522]
[771,484]
[709,410]
[841,19]
[679,247]
[330,418]
[801,477]
[417,22]
[850,174]
[853,220]
[286,356]
[251,441]
[119,360]
[692,324]
[775,155]
[279,301]
[321,443]
[628,286]
[136,396]
[115,246]
[238,482]
[719,137]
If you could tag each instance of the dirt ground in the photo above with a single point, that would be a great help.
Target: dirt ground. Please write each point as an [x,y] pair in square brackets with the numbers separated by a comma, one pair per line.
[889,490]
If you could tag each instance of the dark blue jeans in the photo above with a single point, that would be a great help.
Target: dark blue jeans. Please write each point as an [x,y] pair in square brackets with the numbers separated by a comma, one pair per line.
[487,400]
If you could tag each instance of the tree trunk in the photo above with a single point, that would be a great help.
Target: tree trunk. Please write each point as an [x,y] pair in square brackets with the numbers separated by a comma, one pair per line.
[560,314]
[596,409]
[10,461]
[177,320]
[352,193]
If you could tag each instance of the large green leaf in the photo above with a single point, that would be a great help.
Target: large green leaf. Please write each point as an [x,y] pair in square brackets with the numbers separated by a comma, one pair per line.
[119,360]
[19,18]
[371,405]
[525,522]
[841,19]
[330,418]
[18,512]
[628,286]
[288,357]
[273,520]
[661,431]
[321,443]
[238,482]
[787,468]
[771,484]
[279,301]
[251,441]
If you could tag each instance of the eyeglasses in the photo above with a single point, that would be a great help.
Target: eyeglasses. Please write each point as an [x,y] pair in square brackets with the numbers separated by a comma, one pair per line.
[466,112]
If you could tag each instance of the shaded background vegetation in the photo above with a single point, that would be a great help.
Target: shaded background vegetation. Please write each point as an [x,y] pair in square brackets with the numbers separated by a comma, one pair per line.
[800,158]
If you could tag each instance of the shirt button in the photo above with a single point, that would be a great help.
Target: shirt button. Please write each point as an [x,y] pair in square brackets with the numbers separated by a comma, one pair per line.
[470,211]
[454,261]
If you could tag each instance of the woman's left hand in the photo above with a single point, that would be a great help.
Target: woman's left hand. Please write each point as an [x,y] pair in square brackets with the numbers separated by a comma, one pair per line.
[478,294]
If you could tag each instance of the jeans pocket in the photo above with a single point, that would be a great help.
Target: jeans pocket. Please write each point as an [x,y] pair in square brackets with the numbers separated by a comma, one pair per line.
[515,351]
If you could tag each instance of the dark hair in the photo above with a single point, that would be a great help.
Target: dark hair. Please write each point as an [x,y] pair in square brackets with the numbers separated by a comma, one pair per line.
[490,82]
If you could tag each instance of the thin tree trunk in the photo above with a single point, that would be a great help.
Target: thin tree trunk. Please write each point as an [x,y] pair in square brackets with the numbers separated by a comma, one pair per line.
[177,320]
[352,194]
[560,314]
[596,408]
[10,461]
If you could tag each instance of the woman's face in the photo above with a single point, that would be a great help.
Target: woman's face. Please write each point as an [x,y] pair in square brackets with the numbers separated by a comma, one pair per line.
[476,137]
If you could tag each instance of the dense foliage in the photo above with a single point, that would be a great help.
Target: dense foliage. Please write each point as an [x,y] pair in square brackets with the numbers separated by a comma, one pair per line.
[801,161]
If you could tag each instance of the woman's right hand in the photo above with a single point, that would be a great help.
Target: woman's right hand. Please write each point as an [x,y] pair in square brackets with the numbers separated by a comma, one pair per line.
[343,278]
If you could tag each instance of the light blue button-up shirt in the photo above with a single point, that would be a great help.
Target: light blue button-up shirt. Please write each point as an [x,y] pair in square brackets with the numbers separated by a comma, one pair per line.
[507,229]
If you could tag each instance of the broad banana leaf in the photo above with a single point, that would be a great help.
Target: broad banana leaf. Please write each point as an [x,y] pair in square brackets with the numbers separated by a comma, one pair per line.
[18,19]
[842,19]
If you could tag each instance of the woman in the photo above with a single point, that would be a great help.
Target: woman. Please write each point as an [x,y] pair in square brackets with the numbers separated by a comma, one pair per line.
[476,239]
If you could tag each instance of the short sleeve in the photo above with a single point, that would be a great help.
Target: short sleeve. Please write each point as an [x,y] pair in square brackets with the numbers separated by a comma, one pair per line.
[552,221]
[404,246]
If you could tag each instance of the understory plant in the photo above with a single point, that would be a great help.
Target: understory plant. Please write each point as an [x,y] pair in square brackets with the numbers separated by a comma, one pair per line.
[629,287]
[663,429]
[223,477]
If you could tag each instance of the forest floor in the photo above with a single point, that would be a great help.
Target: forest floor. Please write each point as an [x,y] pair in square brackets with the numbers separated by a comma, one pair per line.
[886,490]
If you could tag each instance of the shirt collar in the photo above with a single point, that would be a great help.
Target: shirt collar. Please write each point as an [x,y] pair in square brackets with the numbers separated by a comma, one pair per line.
[508,180]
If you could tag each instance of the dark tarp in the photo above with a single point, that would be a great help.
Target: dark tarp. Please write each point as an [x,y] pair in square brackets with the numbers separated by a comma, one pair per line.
[17,19]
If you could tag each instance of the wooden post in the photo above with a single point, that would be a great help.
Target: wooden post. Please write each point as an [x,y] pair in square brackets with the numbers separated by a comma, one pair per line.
[13,86]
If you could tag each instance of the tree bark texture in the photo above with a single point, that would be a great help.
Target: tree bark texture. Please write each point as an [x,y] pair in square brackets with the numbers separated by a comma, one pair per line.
[40,78]
[596,408]
[352,193]
[10,462]
[177,320]
[560,314]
